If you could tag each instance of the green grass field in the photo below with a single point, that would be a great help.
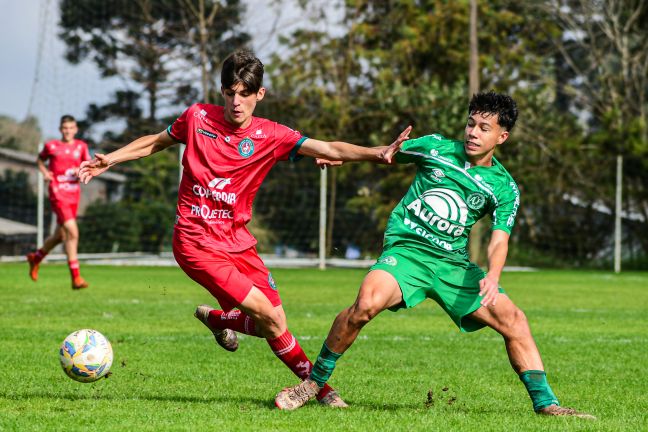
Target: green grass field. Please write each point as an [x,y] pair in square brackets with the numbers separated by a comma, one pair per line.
[592,329]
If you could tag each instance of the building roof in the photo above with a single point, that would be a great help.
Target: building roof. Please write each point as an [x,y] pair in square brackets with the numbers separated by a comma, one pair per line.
[9,227]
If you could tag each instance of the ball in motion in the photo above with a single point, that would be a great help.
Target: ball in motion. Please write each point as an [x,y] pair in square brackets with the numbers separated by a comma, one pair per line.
[86,355]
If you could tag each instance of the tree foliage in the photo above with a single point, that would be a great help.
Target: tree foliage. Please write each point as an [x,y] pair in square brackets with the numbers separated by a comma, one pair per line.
[168,54]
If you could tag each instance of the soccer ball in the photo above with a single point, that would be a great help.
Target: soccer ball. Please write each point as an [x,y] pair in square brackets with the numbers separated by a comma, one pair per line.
[86,355]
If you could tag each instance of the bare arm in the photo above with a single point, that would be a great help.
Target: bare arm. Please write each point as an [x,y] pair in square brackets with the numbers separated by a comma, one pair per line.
[332,152]
[141,147]
[47,174]
[497,252]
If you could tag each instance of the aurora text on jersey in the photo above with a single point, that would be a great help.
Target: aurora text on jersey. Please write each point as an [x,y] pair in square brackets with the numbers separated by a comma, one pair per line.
[448,196]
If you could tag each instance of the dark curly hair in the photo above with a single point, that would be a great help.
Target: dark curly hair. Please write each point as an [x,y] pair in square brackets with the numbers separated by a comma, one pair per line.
[495,103]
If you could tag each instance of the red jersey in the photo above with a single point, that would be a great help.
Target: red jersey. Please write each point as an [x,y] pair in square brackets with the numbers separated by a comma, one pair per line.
[224,167]
[64,161]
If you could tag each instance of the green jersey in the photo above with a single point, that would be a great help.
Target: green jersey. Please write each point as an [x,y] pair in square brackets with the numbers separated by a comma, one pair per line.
[447,197]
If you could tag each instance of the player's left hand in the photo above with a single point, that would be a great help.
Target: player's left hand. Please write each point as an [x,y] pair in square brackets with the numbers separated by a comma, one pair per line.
[488,288]
[93,168]
[323,163]
[388,154]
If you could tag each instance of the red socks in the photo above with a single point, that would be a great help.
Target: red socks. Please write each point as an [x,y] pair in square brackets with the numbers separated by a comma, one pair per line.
[290,352]
[74,269]
[39,255]
[285,346]
[234,319]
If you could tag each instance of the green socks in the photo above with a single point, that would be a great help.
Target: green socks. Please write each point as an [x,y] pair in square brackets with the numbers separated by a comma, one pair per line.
[323,367]
[536,384]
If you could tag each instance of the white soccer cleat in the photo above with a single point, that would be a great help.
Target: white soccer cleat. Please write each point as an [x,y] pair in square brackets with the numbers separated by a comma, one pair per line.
[333,400]
[557,410]
[295,397]
[226,338]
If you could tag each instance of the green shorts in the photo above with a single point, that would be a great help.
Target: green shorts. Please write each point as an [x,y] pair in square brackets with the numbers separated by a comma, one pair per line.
[420,275]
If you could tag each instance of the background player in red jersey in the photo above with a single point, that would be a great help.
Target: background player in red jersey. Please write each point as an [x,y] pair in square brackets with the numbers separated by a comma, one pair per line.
[229,152]
[64,157]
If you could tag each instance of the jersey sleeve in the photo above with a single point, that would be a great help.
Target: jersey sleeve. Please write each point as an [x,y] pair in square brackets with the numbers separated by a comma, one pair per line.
[414,150]
[507,207]
[45,152]
[179,128]
[287,143]
[85,156]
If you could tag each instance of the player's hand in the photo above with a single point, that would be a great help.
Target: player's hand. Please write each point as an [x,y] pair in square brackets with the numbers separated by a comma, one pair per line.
[323,163]
[388,154]
[489,289]
[48,176]
[93,168]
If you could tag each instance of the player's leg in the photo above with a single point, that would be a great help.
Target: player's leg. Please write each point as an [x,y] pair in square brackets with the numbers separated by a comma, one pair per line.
[378,291]
[253,293]
[71,243]
[34,258]
[272,324]
[509,321]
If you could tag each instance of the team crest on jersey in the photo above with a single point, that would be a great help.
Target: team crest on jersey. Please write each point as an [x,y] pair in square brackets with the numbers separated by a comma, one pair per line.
[227,139]
[476,200]
[246,147]
[434,152]
[388,260]
[271,282]
[207,133]
[76,154]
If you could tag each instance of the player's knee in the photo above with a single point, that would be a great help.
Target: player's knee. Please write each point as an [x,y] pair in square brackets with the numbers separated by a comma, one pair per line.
[516,323]
[270,322]
[361,313]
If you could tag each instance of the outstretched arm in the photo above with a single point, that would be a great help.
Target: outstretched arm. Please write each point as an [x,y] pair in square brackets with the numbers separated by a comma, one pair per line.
[333,152]
[497,251]
[141,147]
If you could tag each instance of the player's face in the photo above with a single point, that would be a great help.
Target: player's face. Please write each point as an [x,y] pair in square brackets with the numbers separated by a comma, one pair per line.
[482,135]
[68,131]
[240,104]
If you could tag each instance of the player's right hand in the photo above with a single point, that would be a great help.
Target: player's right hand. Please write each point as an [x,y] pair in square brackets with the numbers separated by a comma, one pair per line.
[48,176]
[93,168]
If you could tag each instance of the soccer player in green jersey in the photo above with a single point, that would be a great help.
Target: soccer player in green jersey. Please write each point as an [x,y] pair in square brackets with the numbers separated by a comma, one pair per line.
[456,184]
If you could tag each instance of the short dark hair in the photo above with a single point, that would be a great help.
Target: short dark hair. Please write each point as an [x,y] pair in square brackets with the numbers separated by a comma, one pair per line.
[67,118]
[242,67]
[495,103]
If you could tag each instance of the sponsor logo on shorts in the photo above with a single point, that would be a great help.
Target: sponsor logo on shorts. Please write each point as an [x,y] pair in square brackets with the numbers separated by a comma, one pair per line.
[246,147]
[476,200]
[207,133]
[388,260]
[271,282]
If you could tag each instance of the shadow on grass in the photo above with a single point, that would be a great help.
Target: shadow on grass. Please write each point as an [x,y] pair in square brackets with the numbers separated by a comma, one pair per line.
[99,395]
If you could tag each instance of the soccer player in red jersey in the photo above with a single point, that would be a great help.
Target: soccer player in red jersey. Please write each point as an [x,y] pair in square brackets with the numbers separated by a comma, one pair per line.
[64,157]
[229,152]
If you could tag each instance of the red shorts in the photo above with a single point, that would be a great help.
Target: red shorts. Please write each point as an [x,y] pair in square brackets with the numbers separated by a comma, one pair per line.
[228,276]
[65,207]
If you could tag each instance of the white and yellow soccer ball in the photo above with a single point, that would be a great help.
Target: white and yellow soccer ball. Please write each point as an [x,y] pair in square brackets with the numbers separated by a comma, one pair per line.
[86,355]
